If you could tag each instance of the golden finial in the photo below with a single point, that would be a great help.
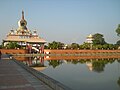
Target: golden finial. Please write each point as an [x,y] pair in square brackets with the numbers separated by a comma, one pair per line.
[22,14]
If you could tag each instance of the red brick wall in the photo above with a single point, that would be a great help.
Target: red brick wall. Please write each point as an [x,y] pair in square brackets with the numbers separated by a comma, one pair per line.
[23,51]
[13,51]
[77,51]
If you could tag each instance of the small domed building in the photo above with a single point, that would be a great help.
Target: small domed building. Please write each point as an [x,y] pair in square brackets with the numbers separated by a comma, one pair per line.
[89,39]
[25,38]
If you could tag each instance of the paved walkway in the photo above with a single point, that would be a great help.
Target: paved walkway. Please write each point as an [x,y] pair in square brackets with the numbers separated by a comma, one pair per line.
[14,77]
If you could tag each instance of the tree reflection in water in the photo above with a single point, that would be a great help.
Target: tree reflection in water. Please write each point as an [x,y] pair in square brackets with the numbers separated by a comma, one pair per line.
[55,63]
[119,77]
[118,81]
[96,65]
[118,60]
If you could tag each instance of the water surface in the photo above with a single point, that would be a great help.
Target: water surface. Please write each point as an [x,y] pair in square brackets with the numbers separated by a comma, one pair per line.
[80,74]
[85,74]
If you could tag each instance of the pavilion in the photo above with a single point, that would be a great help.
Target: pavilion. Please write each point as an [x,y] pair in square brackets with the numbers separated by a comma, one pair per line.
[25,38]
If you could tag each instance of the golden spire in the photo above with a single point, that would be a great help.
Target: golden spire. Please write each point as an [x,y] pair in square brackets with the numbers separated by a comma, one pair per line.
[22,14]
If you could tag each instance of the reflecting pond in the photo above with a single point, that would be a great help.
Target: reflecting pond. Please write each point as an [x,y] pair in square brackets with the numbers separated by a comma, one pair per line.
[81,74]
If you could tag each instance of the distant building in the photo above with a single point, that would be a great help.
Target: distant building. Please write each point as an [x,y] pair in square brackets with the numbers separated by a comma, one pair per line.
[25,38]
[89,39]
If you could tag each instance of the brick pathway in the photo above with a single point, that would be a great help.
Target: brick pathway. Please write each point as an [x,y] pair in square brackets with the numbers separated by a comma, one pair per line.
[14,77]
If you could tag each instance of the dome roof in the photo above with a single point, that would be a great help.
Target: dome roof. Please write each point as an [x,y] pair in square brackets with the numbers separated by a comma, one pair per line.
[90,36]
[22,24]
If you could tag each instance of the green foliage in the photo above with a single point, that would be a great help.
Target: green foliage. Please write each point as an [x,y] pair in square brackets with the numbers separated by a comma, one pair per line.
[98,66]
[54,63]
[74,46]
[98,43]
[46,47]
[85,46]
[111,46]
[55,45]
[118,81]
[98,39]
[12,45]
[0,46]
[105,46]
[118,42]
[99,46]
[75,61]
[118,30]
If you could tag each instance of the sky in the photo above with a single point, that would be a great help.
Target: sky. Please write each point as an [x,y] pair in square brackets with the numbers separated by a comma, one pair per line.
[67,21]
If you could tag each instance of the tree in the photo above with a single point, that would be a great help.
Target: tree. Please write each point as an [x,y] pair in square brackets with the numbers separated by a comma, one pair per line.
[105,46]
[111,46]
[118,81]
[46,47]
[0,46]
[118,30]
[74,45]
[98,66]
[54,63]
[118,42]
[98,39]
[85,46]
[12,45]
[55,45]
[99,46]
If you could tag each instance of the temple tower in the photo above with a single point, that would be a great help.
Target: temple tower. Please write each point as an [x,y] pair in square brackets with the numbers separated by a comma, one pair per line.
[22,25]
